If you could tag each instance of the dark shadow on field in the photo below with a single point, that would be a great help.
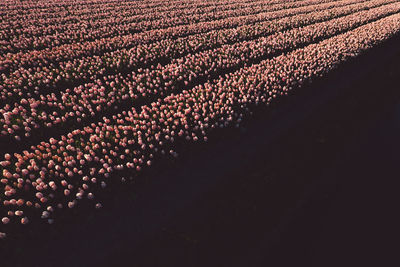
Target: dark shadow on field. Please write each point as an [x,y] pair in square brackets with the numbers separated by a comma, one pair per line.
[313,181]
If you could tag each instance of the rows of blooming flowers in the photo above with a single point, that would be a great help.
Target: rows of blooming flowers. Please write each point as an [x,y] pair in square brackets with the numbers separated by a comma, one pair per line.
[117,22]
[58,173]
[38,10]
[90,99]
[92,32]
[27,81]
[68,52]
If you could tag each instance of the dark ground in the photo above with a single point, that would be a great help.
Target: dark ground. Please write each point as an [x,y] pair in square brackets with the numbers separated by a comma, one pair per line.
[325,193]
[314,183]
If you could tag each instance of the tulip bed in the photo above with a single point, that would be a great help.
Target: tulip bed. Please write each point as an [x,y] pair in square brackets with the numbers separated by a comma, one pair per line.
[112,95]
[57,105]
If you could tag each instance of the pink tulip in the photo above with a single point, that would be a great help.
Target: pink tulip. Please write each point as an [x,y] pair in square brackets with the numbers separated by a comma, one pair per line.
[24,220]
[5,220]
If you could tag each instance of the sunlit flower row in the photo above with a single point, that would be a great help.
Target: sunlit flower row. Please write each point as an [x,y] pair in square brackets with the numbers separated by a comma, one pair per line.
[48,13]
[50,57]
[32,82]
[88,100]
[112,22]
[29,41]
[59,173]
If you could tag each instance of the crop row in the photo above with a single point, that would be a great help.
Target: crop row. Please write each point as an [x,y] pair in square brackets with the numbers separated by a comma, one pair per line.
[59,173]
[43,10]
[113,17]
[125,41]
[88,100]
[50,76]
[25,42]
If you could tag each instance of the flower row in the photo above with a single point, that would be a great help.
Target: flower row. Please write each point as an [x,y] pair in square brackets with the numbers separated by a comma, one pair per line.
[93,31]
[64,18]
[50,76]
[14,61]
[58,174]
[89,99]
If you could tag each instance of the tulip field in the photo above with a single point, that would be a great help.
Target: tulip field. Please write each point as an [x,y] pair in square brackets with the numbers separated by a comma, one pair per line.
[91,90]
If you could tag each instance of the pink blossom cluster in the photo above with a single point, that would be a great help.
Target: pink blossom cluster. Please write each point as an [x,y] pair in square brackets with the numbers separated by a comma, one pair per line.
[60,12]
[29,80]
[89,99]
[26,39]
[59,173]
[67,53]
[116,23]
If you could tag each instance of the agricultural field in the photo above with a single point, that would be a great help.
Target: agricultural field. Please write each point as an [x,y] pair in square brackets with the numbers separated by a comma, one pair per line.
[95,93]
